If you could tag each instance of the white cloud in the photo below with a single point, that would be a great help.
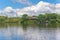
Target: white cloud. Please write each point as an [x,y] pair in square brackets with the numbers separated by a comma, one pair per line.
[8,9]
[57,10]
[39,8]
[10,12]
[23,2]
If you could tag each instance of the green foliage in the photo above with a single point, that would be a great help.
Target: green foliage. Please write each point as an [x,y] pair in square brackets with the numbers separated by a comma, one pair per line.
[24,21]
[48,19]
[24,17]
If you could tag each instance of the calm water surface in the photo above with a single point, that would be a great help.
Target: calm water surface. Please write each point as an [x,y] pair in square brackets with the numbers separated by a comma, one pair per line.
[29,33]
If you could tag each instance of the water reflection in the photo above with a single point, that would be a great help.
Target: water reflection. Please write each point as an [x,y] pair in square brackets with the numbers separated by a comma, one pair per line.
[16,32]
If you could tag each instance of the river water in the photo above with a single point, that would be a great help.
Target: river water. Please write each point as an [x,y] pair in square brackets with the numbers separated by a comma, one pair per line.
[29,33]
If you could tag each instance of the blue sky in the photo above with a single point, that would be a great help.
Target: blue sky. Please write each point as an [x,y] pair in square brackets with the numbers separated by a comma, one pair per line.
[13,4]
[30,7]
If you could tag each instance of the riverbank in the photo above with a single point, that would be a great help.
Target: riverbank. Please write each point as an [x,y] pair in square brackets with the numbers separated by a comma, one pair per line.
[52,19]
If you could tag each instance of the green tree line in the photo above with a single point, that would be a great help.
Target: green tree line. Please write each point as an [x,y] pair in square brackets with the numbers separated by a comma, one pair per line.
[42,19]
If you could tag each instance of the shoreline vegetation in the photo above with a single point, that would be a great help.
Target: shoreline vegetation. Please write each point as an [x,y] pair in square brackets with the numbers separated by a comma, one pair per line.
[48,20]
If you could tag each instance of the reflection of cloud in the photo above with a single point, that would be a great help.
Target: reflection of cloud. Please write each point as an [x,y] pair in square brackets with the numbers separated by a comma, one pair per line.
[7,33]
[40,34]
[16,33]
[58,34]
[20,31]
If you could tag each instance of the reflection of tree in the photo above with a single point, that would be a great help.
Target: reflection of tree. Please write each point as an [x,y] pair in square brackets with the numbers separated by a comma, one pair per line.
[24,24]
[24,31]
[3,25]
[24,28]
[48,34]
[13,24]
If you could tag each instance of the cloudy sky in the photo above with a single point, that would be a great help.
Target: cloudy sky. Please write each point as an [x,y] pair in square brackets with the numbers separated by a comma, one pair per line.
[13,8]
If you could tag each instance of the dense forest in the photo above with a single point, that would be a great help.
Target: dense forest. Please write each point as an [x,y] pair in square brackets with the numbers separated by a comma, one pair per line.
[42,19]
